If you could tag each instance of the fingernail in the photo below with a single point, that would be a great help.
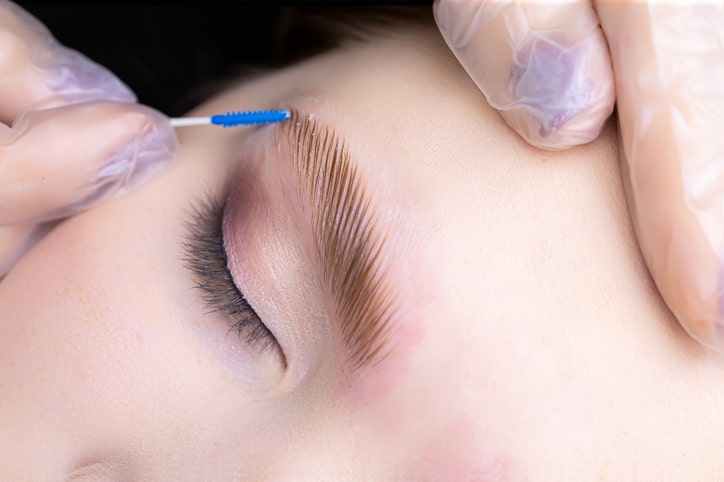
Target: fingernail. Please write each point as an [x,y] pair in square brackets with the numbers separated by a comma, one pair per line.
[76,78]
[141,158]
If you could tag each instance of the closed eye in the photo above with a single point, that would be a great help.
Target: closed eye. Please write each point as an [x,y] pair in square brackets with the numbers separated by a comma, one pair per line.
[205,255]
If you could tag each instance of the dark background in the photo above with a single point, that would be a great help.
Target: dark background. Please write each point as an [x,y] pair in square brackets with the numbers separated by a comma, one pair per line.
[163,50]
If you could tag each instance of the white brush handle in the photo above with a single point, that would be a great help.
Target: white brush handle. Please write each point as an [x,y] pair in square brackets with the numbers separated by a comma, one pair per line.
[190,121]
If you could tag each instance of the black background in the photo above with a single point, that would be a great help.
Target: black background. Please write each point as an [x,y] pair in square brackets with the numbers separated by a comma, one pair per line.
[163,50]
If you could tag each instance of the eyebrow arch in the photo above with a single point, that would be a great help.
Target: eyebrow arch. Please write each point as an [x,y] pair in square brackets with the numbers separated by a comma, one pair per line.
[349,244]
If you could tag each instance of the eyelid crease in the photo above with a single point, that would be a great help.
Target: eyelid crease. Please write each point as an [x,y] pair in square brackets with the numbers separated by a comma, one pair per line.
[349,245]
[205,256]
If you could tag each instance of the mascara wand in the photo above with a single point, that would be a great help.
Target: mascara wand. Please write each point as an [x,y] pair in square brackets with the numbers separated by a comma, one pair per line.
[232,119]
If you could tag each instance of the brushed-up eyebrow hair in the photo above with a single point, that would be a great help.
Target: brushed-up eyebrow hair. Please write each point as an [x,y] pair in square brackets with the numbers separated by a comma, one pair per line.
[349,243]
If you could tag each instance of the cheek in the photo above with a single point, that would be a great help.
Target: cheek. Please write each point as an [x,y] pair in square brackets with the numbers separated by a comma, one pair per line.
[87,324]
[456,453]
[96,330]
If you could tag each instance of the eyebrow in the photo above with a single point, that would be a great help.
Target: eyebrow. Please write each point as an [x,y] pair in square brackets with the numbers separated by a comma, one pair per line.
[349,243]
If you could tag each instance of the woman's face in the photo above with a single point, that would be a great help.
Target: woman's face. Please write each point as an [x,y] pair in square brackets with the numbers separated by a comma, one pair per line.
[432,299]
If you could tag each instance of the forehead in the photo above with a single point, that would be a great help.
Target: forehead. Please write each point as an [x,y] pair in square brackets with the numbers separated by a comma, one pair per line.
[463,197]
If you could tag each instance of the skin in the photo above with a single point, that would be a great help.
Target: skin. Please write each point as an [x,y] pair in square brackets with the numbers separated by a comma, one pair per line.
[551,68]
[529,343]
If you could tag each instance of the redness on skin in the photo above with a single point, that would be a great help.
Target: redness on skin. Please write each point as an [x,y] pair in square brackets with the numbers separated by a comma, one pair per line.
[455,451]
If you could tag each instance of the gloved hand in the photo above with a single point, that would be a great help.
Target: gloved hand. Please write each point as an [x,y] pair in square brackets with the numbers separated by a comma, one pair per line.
[545,65]
[71,134]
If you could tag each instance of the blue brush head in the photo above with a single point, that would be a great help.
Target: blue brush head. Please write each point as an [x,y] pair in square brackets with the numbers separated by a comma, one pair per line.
[231,119]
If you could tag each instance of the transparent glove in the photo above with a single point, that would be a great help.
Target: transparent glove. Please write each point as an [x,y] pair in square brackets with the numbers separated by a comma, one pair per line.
[668,62]
[668,68]
[543,65]
[71,134]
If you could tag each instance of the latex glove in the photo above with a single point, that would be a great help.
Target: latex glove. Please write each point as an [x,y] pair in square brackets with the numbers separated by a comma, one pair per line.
[543,65]
[64,151]
[668,62]
[668,66]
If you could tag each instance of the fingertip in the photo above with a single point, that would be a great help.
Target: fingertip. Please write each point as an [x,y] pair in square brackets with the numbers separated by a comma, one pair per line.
[699,307]
[70,158]
[683,261]
[544,67]
[142,157]
[562,90]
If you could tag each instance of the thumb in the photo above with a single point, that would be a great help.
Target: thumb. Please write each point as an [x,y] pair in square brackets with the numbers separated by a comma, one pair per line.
[59,161]
[544,66]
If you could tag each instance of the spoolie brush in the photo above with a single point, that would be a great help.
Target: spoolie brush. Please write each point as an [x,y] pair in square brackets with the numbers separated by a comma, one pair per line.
[231,119]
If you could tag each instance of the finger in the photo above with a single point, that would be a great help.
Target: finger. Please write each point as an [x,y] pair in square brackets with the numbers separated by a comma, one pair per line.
[37,72]
[543,65]
[59,161]
[668,61]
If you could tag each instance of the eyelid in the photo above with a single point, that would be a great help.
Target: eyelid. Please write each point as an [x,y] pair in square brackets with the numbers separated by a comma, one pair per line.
[246,319]
[205,256]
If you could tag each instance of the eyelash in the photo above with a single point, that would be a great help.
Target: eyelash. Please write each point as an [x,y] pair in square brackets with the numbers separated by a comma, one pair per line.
[205,255]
